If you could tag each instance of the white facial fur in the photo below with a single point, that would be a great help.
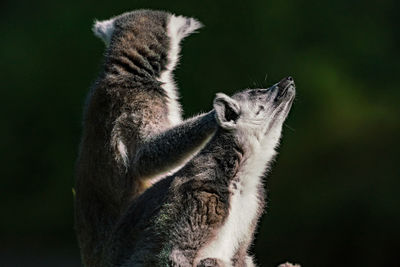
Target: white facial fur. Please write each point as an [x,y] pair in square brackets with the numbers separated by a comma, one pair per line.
[260,150]
[178,27]
[104,30]
[259,117]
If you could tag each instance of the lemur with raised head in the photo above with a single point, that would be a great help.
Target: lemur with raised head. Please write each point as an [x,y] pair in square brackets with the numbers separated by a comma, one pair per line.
[134,137]
[133,134]
[206,213]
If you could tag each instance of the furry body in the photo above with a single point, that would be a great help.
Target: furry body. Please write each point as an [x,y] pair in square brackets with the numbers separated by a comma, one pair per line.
[206,213]
[134,139]
[132,129]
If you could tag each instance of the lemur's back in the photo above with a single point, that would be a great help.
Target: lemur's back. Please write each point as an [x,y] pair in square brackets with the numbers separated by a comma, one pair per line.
[113,123]
[103,184]
[132,103]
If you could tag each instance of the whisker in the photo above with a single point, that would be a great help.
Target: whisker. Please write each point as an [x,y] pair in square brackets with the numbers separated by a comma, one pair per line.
[290,128]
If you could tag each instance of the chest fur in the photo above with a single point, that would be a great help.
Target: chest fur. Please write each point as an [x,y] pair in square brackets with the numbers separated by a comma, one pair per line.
[244,208]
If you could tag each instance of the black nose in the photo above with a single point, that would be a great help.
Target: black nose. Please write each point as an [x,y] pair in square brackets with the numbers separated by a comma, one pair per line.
[285,82]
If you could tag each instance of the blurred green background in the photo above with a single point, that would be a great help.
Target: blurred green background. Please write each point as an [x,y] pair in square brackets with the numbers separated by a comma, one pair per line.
[333,194]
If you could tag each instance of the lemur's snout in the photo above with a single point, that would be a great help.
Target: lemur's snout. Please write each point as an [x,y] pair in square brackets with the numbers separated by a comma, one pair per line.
[285,82]
[284,86]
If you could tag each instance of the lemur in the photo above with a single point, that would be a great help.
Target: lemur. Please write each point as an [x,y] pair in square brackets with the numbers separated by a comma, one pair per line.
[134,138]
[206,213]
[133,133]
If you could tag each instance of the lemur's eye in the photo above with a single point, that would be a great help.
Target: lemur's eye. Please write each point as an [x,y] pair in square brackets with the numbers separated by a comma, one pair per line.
[260,108]
[253,92]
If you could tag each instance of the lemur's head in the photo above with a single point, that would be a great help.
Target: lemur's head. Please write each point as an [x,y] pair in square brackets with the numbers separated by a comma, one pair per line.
[257,113]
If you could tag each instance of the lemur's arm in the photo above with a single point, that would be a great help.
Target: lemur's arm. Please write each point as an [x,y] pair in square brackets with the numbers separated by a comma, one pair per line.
[168,150]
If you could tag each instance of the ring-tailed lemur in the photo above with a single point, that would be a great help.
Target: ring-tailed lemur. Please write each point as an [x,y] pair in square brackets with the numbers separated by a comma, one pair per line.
[206,213]
[133,134]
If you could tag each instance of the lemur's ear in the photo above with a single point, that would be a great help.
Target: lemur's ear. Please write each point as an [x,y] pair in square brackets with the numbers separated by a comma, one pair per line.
[179,27]
[227,111]
[104,30]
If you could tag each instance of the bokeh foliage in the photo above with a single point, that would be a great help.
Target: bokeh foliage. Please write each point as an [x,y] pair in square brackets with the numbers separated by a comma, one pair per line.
[333,192]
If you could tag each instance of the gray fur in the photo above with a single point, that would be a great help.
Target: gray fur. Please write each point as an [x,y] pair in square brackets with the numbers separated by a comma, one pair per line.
[127,137]
[128,140]
[178,217]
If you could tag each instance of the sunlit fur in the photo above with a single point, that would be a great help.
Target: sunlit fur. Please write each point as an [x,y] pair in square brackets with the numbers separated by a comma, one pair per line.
[104,30]
[178,28]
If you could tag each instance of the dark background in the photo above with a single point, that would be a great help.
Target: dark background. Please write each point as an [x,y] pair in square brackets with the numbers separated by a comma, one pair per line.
[333,194]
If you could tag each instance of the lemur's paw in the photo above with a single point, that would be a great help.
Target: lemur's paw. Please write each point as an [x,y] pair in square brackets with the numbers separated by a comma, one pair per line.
[287,264]
[210,262]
